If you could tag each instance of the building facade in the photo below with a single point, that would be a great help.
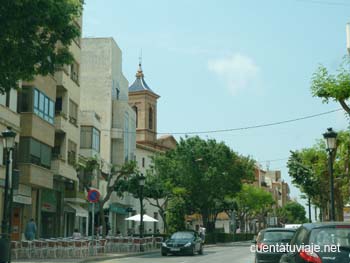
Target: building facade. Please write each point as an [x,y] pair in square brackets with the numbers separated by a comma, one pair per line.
[105,92]
[44,113]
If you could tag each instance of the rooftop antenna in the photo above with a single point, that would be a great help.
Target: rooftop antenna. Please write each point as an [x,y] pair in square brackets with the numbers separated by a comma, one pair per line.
[267,165]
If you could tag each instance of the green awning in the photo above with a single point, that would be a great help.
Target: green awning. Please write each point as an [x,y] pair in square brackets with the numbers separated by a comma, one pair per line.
[115,208]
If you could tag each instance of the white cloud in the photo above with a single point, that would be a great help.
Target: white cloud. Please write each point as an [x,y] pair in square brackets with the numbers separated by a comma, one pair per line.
[238,72]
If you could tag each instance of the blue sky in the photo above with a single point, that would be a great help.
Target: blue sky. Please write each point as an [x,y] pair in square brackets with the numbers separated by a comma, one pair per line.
[231,63]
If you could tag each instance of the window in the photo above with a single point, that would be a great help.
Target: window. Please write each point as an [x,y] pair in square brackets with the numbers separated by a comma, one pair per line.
[150,118]
[43,106]
[135,109]
[58,105]
[95,139]
[90,138]
[85,137]
[126,136]
[35,152]
[77,39]
[73,112]
[2,154]
[25,100]
[74,72]
[72,152]
[118,93]
[8,98]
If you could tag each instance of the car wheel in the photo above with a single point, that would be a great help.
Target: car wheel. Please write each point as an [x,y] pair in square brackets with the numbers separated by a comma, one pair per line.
[164,254]
[200,252]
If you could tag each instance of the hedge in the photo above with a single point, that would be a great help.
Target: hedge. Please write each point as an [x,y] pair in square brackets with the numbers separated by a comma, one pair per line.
[213,238]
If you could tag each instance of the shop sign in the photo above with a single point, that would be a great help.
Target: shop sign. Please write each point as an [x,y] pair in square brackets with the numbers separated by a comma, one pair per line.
[22,199]
[48,201]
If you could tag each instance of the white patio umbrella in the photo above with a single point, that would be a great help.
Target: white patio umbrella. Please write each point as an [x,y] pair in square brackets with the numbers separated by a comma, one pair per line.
[137,218]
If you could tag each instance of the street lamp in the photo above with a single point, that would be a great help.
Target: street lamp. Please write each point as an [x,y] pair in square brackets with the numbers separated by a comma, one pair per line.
[8,137]
[331,138]
[142,180]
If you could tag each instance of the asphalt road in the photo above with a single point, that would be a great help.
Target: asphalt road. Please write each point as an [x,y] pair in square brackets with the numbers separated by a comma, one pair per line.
[237,254]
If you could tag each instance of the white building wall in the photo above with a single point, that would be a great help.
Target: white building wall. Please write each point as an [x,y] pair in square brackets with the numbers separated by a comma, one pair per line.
[105,91]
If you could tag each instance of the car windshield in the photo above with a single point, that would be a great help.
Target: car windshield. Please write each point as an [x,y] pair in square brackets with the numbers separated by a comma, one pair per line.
[278,235]
[182,235]
[331,236]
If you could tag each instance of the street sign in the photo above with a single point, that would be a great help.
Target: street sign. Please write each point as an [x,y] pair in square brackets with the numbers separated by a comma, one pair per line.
[93,196]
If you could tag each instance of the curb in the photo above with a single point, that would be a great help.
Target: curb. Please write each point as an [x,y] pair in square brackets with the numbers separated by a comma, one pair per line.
[116,256]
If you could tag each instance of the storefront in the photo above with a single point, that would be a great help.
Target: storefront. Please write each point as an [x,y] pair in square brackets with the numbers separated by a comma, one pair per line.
[75,217]
[48,226]
[22,203]
[118,213]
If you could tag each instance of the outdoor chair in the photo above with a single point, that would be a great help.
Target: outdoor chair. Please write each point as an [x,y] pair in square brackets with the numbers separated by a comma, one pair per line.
[15,248]
[52,248]
[26,249]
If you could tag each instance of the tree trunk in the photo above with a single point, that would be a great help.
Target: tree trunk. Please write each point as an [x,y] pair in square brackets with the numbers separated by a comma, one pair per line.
[206,223]
[165,225]
[102,220]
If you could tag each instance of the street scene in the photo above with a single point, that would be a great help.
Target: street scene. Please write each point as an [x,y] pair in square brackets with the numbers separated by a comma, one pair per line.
[175,131]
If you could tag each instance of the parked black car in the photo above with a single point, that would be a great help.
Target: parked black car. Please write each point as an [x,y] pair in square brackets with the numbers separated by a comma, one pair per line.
[320,236]
[184,242]
[269,240]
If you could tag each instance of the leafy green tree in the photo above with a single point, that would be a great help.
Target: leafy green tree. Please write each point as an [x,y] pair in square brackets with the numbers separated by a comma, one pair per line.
[208,171]
[115,181]
[35,37]
[252,201]
[333,87]
[156,191]
[175,215]
[309,171]
[293,213]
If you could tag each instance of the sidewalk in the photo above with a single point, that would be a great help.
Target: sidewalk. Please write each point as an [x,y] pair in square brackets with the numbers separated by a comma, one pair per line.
[101,257]
[109,256]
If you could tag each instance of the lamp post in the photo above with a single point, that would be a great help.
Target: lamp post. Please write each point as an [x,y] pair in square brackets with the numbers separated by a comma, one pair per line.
[8,137]
[142,180]
[331,137]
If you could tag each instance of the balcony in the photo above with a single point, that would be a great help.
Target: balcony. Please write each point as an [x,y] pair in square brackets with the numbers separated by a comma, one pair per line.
[65,82]
[61,167]
[74,196]
[36,176]
[9,117]
[34,126]
[61,123]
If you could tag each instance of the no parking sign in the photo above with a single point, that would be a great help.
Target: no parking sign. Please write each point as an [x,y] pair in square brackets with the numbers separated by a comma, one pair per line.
[93,196]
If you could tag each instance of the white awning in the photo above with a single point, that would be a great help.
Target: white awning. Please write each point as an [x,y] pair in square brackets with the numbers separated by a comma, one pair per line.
[79,211]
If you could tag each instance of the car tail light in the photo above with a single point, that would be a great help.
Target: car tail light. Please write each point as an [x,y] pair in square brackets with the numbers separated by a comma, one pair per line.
[261,245]
[311,257]
[342,226]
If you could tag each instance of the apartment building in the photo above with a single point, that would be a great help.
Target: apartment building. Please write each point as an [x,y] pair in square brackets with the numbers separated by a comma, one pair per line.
[48,147]
[105,92]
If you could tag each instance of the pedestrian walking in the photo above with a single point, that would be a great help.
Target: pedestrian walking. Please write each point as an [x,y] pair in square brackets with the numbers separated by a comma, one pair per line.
[30,230]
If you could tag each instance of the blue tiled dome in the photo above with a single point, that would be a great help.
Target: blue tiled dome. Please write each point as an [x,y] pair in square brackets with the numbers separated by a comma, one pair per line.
[139,83]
